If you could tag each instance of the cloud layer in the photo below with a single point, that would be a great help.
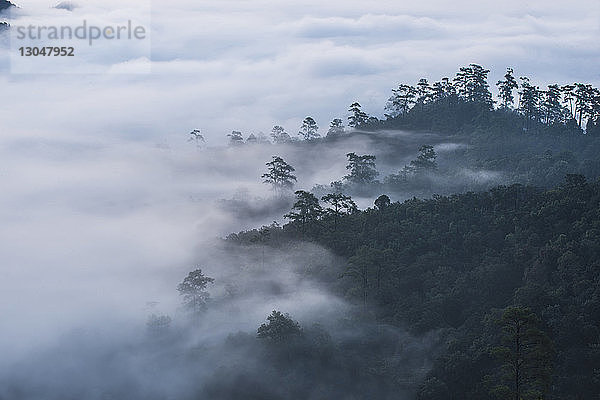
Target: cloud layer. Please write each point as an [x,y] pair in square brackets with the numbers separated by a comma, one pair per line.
[248,65]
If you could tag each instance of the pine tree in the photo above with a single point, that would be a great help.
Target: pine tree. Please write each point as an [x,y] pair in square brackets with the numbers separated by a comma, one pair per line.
[340,204]
[357,116]
[423,91]
[426,160]
[568,97]
[506,88]
[472,85]
[401,101]
[526,354]
[279,135]
[196,136]
[193,290]
[279,174]
[529,102]
[306,209]
[235,138]
[251,139]
[552,108]
[336,128]
[309,129]
[583,102]
[362,168]
[281,327]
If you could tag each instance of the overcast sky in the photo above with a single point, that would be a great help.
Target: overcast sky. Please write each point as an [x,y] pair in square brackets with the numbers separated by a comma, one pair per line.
[247,65]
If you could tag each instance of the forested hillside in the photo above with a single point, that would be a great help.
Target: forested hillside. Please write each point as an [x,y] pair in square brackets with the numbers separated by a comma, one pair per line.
[487,270]
[521,134]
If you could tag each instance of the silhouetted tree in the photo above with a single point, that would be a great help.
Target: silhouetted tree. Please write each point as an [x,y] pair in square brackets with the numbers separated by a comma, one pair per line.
[357,116]
[472,85]
[529,102]
[309,129]
[568,97]
[361,266]
[251,139]
[506,88]
[340,204]
[279,135]
[401,101]
[193,290]
[382,202]
[279,174]
[235,138]
[423,91]
[197,137]
[336,128]
[362,168]
[306,209]
[281,327]
[552,109]
[425,162]
[583,102]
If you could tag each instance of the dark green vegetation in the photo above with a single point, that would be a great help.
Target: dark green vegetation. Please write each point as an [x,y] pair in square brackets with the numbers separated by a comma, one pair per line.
[527,135]
[5,4]
[508,277]
[465,103]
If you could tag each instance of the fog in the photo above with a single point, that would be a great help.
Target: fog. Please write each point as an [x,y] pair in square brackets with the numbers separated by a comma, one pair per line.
[97,235]
[106,206]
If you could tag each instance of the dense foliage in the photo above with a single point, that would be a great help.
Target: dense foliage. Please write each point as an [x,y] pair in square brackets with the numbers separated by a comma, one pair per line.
[452,263]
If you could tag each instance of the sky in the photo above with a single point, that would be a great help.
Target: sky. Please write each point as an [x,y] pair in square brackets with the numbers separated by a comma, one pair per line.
[248,65]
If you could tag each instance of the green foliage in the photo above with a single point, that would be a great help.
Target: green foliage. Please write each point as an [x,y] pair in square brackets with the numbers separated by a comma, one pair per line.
[306,209]
[506,88]
[446,264]
[309,129]
[471,84]
[281,327]
[425,161]
[465,105]
[401,101]
[279,174]
[362,168]
[382,202]
[5,4]
[357,117]
[193,290]
[340,204]
[279,135]
[336,128]
[526,354]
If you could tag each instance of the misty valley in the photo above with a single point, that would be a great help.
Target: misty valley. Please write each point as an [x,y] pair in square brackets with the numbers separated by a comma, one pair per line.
[447,251]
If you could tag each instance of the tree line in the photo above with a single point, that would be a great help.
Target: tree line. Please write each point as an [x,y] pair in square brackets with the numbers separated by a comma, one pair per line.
[558,107]
[452,104]
[362,172]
